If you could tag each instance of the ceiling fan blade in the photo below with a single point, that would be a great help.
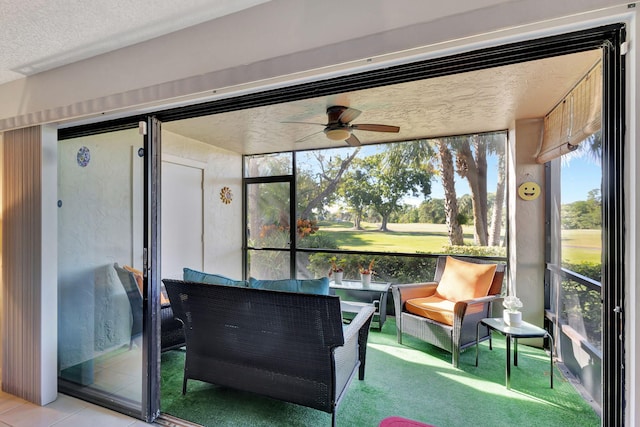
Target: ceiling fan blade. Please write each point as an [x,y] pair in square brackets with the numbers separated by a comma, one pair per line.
[353,141]
[348,115]
[307,123]
[304,138]
[376,128]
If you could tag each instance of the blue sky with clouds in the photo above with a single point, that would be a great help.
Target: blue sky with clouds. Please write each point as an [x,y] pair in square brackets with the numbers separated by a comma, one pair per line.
[580,174]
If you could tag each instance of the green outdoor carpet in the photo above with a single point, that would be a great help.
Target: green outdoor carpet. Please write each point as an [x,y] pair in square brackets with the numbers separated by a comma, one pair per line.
[413,380]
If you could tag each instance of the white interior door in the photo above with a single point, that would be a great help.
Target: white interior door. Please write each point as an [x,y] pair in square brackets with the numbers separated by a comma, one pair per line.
[182,218]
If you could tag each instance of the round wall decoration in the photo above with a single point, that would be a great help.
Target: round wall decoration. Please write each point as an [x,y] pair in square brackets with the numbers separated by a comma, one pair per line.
[529,190]
[225,195]
[83,157]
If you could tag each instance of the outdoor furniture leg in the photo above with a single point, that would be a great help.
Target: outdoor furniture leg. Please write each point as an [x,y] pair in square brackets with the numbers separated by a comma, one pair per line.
[376,305]
[508,366]
[490,340]
[363,335]
[478,338]
[184,383]
[551,359]
[515,352]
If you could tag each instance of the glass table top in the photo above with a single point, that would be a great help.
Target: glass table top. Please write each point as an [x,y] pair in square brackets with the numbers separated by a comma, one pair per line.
[524,330]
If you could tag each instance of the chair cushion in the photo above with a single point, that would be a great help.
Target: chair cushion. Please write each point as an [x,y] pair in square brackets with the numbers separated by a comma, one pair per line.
[307,286]
[137,274]
[190,275]
[164,297]
[128,280]
[463,280]
[434,307]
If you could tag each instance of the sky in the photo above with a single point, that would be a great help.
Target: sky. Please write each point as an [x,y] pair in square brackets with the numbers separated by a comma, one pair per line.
[580,174]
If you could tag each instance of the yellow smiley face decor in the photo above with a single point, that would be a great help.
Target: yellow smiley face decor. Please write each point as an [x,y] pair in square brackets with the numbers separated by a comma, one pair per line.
[529,190]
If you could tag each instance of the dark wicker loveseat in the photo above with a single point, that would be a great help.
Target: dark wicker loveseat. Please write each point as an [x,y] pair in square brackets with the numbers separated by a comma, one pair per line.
[172,334]
[284,345]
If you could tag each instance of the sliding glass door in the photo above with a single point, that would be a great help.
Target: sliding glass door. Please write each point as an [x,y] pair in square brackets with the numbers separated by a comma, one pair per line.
[103,247]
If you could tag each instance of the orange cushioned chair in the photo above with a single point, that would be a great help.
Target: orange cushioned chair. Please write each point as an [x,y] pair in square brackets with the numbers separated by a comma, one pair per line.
[445,312]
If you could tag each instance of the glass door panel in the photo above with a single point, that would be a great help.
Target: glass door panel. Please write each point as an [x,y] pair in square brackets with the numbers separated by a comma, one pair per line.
[100,255]
[269,229]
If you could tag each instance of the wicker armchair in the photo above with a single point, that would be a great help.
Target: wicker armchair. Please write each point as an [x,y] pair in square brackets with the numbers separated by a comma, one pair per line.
[463,316]
[284,345]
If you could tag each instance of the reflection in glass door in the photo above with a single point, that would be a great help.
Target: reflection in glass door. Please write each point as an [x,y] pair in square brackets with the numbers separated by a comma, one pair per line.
[269,229]
[100,284]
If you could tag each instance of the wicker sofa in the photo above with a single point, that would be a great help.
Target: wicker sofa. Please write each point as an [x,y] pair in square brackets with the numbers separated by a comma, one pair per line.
[172,333]
[289,346]
[453,325]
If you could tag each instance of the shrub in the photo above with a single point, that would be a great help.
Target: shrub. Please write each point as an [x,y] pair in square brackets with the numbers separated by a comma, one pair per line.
[318,240]
[485,251]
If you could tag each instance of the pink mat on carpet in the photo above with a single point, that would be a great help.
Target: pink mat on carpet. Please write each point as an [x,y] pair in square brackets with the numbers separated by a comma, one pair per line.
[402,422]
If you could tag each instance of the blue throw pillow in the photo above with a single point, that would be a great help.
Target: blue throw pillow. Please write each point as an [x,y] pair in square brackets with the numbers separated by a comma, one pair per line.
[307,286]
[314,286]
[288,285]
[190,275]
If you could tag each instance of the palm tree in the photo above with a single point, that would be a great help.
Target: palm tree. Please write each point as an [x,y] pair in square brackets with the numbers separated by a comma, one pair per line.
[432,154]
[456,237]
[495,230]
[471,152]
[474,169]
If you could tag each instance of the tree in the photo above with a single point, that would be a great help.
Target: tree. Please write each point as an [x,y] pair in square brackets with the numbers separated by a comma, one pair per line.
[474,169]
[392,182]
[429,155]
[583,214]
[356,190]
[465,209]
[319,189]
[471,162]
[268,206]
[495,229]
[432,211]
[456,238]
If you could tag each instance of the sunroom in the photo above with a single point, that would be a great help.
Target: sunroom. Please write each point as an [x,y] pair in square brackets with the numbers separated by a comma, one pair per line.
[429,159]
[254,186]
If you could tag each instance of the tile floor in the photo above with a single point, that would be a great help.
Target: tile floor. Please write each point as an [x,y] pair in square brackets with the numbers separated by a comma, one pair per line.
[65,411]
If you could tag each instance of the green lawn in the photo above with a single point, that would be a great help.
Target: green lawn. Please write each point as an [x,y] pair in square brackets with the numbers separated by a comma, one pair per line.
[408,238]
[581,246]
[577,245]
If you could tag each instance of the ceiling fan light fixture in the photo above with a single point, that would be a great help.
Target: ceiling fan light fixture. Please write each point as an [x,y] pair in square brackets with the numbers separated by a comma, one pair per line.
[337,134]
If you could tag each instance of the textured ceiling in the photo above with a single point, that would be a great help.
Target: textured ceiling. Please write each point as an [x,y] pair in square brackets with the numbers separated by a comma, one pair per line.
[464,103]
[37,35]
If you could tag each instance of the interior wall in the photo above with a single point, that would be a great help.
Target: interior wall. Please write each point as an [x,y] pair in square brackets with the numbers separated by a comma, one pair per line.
[80,190]
[222,222]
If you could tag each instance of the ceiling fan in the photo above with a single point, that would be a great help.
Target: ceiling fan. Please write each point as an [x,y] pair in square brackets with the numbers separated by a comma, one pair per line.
[339,127]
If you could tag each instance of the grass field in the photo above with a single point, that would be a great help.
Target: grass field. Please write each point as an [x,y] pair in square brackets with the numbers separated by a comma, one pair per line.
[408,238]
[577,245]
[581,246]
